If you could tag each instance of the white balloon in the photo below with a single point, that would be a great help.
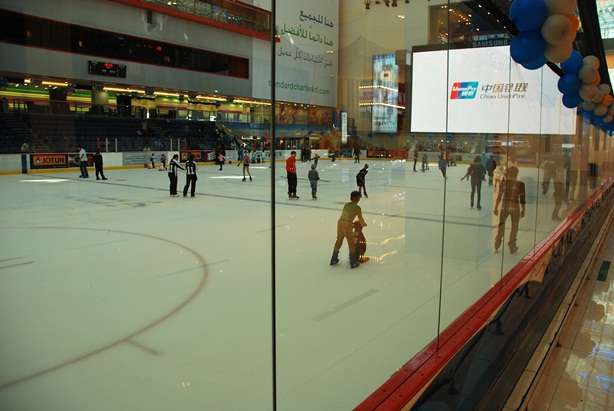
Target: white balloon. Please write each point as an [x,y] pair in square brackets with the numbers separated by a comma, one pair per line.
[588,92]
[605,88]
[588,106]
[598,97]
[588,74]
[601,110]
[592,61]
[557,29]
[562,6]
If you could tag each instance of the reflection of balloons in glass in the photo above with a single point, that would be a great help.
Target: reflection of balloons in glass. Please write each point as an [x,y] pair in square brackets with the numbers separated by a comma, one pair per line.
[557,30]
[589,75]
[569,83]
[561,6]
[571,100]
[559,53]
[573,64]
[592,61]
[528,14]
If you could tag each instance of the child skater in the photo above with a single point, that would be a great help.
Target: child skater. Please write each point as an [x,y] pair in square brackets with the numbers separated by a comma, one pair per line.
[172,174]
[153,161]
[351,211]
[220,160]
[313,180]
[361,243]
[425,162]
[245,161]
[360,180]
[163,162]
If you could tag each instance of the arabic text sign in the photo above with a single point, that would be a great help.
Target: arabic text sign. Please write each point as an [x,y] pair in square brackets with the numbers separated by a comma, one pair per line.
[307,54]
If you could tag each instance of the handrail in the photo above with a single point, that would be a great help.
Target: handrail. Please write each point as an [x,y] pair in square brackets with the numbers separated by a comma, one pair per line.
[415,375]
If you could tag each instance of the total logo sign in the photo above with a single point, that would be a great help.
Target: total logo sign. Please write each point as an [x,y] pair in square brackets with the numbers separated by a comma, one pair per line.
[464,90]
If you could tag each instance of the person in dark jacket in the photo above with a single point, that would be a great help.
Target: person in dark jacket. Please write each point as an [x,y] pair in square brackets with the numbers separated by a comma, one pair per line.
[190,177]
[173,165]
[314,176]
[98,165]
[476,173]
[416,160]
[360,180]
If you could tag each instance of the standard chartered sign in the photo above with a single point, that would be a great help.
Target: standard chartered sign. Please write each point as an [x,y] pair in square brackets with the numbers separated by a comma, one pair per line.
[307,54]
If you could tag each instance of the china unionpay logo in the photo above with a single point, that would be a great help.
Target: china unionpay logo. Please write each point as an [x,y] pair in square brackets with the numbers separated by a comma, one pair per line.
[465,90]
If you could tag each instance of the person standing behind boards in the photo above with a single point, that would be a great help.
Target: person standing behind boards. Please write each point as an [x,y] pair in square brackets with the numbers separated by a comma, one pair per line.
[173,165]
[98,165]
[190,177]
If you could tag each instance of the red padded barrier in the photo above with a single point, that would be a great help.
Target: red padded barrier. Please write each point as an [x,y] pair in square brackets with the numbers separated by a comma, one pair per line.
[413,377]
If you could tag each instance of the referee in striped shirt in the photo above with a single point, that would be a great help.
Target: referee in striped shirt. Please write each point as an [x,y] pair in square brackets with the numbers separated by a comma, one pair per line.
[190,176]
[173,165]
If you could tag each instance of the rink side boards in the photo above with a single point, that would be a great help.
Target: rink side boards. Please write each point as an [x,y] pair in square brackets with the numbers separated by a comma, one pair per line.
[405,387]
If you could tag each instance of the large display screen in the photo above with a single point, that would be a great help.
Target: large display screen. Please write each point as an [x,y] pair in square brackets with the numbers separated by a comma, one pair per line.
[485,92]
[385,94]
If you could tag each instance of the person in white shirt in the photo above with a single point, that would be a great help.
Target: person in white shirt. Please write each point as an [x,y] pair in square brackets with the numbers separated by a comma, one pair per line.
[83,163]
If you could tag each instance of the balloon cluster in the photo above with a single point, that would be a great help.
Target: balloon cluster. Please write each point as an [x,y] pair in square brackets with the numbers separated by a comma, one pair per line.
[547,31]
[580,86]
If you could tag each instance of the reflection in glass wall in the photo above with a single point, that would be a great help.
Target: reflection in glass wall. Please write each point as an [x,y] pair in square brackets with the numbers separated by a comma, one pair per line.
[178,236]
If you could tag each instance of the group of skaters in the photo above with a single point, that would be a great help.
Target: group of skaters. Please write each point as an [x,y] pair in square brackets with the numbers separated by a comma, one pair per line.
[314,176]
[244,159]
[191,178]
[83,163]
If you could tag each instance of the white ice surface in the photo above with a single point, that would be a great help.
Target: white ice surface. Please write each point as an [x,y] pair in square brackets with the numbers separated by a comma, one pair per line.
[105,303]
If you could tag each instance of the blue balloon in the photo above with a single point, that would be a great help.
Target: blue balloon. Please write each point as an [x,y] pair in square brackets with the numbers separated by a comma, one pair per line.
[573,64]
[536,64]
[569,84]
[571,100]
[528,47]
[529,14]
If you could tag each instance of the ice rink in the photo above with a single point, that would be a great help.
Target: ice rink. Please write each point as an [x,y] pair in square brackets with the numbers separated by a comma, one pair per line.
[115,296]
